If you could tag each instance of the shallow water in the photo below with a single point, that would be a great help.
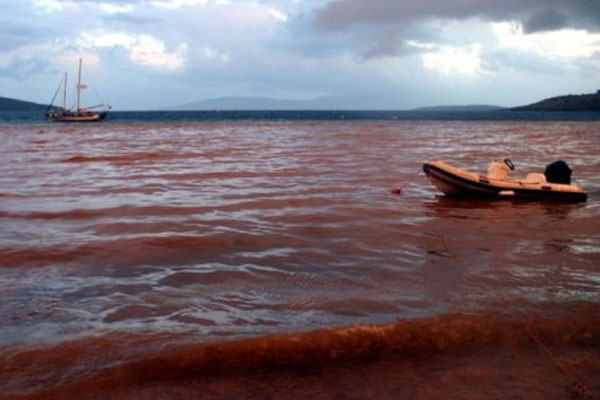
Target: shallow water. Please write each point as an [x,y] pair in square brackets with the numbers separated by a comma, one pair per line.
[166,255]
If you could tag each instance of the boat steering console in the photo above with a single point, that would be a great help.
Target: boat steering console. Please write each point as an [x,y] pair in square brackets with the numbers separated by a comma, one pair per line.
[509,164]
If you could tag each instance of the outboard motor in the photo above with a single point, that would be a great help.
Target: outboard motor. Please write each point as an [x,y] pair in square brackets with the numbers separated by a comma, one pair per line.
[558,172]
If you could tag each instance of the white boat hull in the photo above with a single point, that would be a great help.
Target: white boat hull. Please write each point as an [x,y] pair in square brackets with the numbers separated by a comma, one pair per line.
[458,182]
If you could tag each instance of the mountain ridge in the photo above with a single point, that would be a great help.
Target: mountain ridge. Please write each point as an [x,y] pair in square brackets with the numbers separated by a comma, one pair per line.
[247,103]
[582,102]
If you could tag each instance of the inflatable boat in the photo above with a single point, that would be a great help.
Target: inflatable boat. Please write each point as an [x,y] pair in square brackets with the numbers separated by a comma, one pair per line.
[553,184]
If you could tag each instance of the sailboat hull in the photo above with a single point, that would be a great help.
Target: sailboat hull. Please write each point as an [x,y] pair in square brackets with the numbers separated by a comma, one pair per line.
[87,117]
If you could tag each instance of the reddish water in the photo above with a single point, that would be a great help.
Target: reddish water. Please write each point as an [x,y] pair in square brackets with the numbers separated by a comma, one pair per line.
[278,260]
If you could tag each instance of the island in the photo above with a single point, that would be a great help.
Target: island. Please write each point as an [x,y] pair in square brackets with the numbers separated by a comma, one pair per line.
[582,102]
[7,104]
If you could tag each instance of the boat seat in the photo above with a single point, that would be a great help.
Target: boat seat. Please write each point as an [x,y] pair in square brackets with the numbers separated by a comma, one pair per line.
[498,170]
[534,177]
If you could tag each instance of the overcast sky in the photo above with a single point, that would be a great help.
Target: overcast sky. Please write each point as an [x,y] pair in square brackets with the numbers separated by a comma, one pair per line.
[385,54]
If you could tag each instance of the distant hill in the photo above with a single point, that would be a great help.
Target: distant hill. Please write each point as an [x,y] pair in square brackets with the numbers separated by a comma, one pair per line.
[582,102]
[7,104]
[467,108]
[321,103]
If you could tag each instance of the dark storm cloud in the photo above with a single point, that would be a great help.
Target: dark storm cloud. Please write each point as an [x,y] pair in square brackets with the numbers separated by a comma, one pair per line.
[535,14]
[22,68]
[388,44]
[391,43]
[545,20]
[13,36]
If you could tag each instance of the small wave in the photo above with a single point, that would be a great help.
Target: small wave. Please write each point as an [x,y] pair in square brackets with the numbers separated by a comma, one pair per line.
[293,352]
[77,159]
[112,212]
[259,203]
[145,250]
[128,158]
[219,175]
[111,159]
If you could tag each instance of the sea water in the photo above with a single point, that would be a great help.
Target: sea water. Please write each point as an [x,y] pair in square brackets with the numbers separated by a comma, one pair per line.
[273,255]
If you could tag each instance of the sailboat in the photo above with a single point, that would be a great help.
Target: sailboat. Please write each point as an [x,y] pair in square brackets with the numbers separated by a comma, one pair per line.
[93,113]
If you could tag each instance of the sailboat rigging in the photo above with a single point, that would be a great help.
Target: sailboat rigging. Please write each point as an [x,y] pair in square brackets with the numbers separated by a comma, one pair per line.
[80,114]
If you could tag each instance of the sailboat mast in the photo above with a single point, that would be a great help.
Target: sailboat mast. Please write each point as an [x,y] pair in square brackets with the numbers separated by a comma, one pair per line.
[79,85]
[65,93]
